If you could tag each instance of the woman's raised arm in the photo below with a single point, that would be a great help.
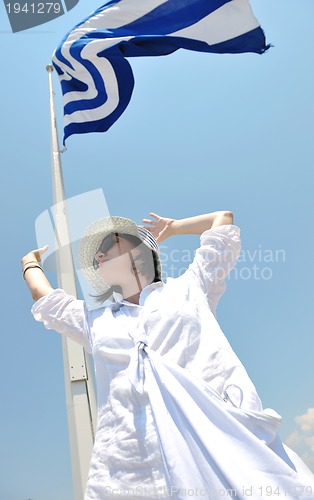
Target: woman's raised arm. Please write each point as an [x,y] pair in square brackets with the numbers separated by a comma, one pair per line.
[34,275]
[163,228]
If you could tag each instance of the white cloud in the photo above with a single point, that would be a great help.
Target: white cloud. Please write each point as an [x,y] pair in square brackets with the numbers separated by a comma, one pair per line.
[302,439]
[306,422]
[294,440]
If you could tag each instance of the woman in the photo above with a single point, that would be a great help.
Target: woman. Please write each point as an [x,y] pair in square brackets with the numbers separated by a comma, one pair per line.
[178,415]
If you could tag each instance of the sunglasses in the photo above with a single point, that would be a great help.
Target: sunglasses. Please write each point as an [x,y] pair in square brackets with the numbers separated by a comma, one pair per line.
[106,244]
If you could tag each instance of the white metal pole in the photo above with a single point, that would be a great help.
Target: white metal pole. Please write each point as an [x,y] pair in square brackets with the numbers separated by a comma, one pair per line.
[79,384]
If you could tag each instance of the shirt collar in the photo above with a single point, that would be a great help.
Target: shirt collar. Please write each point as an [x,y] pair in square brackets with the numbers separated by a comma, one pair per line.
[118,297]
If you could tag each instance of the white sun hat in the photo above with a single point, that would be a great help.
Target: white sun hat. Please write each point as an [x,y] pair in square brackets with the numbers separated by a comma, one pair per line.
[96,233]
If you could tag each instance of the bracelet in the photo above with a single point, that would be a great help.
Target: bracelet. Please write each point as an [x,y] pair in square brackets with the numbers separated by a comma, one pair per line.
[31,267]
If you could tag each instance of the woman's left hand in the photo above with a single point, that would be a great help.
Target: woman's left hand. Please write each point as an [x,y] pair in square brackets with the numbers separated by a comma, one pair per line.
[161,228]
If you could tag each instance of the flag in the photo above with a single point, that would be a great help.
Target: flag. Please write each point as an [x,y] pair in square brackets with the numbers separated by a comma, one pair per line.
[96,78]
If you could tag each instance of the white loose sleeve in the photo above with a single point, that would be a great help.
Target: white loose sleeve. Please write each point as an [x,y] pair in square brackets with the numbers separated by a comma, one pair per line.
[66,315]
[217,255]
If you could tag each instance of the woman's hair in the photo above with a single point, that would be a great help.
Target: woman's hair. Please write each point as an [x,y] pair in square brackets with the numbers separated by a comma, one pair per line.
[143,265]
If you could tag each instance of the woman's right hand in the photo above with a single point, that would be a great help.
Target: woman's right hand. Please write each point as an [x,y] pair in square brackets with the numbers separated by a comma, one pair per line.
[34,275]
[34,255]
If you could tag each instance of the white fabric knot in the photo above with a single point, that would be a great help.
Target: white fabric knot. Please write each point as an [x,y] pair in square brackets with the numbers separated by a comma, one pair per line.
[136,365]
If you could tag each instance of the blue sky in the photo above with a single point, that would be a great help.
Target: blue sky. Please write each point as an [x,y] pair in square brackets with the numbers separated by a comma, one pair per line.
[202,133]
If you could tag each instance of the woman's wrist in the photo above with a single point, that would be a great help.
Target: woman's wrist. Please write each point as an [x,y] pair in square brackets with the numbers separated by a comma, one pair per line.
[29,266]
[34,255]
[29,258]
[34,275]
[174,227]
[188,225]
[29,262]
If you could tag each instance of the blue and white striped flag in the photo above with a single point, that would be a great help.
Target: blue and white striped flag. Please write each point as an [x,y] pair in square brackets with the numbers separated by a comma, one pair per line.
[97,80]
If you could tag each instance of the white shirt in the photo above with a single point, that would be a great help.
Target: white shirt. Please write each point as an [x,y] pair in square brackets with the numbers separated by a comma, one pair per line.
[157,365]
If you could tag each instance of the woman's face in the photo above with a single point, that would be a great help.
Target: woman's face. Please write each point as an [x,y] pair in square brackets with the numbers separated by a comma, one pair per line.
[115,263]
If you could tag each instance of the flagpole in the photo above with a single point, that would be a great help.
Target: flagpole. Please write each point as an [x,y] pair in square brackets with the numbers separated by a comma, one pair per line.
[79,385]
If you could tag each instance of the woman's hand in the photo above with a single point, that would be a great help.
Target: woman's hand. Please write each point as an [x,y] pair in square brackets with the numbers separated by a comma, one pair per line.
[161,228]
[34,255]
[34,275]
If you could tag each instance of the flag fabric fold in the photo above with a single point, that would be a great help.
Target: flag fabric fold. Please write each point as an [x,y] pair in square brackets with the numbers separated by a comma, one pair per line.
[96,78]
